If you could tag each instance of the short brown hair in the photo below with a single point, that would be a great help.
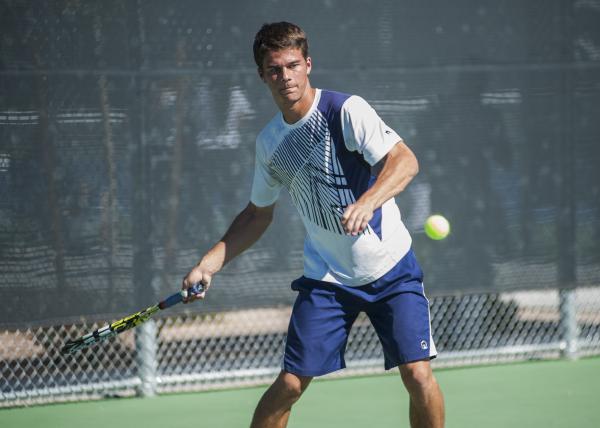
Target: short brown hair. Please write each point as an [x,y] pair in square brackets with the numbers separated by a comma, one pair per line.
[277,36]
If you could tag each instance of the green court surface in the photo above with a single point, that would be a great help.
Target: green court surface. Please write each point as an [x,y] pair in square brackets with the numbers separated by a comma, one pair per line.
[557,394]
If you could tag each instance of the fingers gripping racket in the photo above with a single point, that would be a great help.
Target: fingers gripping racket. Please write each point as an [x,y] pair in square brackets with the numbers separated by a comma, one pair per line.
[124,324]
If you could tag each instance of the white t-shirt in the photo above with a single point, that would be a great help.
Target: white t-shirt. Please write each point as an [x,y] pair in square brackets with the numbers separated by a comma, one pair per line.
[324,160]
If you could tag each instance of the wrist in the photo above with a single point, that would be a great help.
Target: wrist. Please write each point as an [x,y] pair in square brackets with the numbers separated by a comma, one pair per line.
[368,202]
[212,262]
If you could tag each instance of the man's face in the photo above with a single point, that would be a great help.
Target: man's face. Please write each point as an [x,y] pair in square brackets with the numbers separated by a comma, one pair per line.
[286,74]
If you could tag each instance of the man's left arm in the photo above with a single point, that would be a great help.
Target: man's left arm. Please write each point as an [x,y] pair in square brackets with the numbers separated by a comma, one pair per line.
[395,171]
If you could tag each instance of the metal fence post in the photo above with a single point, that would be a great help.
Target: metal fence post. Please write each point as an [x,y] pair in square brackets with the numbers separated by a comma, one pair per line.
[147,347]
[568,323]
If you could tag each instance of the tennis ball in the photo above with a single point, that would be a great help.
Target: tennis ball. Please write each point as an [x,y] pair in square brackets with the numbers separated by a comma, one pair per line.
[437,227]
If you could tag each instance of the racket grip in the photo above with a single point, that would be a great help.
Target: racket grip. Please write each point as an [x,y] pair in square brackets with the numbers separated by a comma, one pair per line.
[197,288]
[178,297]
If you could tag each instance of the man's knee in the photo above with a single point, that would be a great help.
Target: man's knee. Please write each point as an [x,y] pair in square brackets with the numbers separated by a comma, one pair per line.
[290,387]
[417,376]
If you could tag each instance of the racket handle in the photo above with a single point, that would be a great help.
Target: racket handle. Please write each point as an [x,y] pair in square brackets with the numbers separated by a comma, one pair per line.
[178,297]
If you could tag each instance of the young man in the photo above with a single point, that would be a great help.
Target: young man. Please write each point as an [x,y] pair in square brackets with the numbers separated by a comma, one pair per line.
[342,167]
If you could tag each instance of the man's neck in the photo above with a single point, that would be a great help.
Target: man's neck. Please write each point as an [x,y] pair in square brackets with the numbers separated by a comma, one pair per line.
[294,112]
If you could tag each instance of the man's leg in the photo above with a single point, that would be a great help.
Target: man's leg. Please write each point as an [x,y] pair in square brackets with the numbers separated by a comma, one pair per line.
[426,399]
[273,410]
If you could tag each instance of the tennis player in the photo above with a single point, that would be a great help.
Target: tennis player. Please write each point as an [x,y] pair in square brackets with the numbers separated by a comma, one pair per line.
[342,166]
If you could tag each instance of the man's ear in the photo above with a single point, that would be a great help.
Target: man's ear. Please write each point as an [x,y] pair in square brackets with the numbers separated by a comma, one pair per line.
[260,74]
[308,65]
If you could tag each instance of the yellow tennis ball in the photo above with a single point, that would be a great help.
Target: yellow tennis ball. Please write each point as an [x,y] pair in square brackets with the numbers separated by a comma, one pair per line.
[437,227]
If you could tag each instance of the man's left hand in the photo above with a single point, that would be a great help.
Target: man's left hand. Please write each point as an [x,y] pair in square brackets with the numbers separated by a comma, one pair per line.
[356,218]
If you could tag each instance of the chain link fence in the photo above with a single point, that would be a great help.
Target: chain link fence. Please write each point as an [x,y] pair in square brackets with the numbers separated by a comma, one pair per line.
[191,352]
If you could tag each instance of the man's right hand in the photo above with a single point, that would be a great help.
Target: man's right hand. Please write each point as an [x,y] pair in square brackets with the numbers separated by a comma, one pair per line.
[199,274]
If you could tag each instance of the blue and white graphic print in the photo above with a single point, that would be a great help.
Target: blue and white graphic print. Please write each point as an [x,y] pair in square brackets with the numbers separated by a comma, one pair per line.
[307,165]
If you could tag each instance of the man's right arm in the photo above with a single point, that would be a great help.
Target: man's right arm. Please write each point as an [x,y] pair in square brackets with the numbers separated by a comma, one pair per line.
[245,230]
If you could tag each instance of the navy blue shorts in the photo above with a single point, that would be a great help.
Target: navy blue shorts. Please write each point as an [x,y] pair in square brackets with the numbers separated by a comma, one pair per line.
[324,313]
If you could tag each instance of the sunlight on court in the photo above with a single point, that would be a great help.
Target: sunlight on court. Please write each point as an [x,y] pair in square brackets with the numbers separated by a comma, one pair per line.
[535,395]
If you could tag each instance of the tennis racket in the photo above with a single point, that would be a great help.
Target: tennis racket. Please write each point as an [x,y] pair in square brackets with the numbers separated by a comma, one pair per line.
[129,322]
